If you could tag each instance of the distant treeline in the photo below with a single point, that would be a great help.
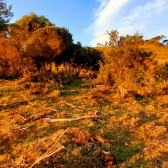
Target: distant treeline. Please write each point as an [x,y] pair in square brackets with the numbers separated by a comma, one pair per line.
[33,42]
[128,64]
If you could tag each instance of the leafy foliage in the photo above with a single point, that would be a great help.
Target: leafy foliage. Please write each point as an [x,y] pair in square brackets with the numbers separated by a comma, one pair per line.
[32,22]
[5,14]
[127,66]
[46,43]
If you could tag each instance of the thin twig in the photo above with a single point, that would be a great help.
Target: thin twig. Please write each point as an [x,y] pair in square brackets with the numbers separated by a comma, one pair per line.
[50,152]
[73,106]
[57,140]
[96,127]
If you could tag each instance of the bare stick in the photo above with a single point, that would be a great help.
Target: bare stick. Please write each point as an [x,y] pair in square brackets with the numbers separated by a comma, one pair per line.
[57,140]
[70,119]
[96,127]
[42,157]
[75,107]
[50,151]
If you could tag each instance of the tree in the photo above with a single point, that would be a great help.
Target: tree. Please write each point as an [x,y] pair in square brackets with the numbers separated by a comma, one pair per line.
[13,45]
[127,66]
[79,44]
[16,39]
[113,38]
[47,43]
[157,40]
[32,22]
[5,14]
[85,57]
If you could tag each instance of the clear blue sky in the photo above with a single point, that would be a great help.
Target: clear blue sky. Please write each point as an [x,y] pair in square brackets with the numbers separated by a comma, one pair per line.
[88,20]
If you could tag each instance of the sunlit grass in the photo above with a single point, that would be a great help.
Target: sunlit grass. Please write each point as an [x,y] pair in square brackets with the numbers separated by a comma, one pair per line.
[135,131]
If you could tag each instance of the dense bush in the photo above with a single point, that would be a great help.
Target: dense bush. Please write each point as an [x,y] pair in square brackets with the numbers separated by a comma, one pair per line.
[127,66]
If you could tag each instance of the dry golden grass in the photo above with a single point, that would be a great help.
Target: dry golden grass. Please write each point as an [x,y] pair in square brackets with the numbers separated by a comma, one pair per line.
[135,131]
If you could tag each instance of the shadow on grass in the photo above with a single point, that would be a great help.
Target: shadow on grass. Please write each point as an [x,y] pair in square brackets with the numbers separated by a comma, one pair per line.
[13,105]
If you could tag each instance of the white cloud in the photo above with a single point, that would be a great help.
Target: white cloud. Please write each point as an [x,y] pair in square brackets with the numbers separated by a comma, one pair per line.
[141,18]
[111,8]
[126,30]
[99,39]
[102,5]
[104,16]
[146,11]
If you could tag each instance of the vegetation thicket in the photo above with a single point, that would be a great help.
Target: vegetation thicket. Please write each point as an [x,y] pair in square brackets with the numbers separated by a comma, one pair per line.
[127,67]
[33,43]
[5,15]
[65,105]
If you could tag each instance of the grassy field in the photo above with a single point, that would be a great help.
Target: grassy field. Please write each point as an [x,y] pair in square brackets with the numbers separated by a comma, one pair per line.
[134,130]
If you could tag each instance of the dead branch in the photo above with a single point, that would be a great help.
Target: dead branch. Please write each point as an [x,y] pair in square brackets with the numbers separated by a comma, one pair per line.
[70,119]
[73,106]
[51,151]
[96,127]
[26,127]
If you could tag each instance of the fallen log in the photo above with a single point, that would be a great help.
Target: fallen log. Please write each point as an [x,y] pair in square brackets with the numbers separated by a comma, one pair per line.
[70,119]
